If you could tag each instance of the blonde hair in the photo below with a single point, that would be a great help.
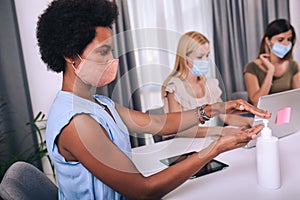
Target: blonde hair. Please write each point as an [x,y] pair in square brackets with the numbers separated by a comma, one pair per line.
[188,43]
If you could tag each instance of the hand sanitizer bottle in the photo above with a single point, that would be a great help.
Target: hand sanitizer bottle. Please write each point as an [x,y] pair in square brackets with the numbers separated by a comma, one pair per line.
[267,159]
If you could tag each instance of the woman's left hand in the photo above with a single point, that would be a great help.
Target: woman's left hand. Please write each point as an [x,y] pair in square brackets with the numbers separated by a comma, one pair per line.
[234,105]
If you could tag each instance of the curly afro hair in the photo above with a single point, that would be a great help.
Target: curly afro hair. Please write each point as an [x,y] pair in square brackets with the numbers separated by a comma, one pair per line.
[67,26]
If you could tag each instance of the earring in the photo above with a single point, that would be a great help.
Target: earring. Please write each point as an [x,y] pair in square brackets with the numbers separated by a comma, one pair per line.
[73,64]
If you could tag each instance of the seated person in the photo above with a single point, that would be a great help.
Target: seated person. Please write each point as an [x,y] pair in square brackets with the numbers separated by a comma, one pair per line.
[187,86]
[87,135]
[274,70]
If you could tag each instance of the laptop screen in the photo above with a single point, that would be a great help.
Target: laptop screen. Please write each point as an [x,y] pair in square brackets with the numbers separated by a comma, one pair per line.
[285,109]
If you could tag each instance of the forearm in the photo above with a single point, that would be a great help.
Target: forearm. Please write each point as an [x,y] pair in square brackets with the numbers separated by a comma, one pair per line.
[200,132]
[189,121]
[264,89]
[164,124]
[169,179]
[173,123]
[236,120]
[179,172]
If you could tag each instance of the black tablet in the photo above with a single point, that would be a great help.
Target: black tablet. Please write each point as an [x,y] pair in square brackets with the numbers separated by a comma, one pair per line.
[210,167]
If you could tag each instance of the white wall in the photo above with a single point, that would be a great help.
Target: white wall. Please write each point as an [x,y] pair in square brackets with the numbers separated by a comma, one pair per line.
[295,21]
[43,84]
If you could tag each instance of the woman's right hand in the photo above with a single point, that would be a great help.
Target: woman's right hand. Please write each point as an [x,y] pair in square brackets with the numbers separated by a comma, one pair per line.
[265,59]
[235,140]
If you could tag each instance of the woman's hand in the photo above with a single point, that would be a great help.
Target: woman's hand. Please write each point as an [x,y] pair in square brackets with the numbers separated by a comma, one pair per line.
[228,130]
[234,105]
[265,59]
[235,140]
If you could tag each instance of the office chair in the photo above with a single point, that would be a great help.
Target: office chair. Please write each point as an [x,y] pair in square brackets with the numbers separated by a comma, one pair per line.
[23,181]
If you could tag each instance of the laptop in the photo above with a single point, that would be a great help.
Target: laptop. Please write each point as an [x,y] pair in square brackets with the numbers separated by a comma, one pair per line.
[285,109]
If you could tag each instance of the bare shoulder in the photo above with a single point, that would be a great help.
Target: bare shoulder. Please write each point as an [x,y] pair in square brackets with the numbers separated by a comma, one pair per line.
[71,139]
[86,141]
[257,61]
[259,64]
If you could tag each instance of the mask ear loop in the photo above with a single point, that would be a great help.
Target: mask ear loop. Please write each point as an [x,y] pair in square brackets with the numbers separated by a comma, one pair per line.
[73,65]
[73,62]
[79,57]
[268,44]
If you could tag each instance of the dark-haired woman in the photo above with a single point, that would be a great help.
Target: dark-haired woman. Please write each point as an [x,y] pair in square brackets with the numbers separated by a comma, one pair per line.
[274,70]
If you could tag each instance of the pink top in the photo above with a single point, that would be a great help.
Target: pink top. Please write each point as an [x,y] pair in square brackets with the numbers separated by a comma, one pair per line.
[178,88]
[188,102]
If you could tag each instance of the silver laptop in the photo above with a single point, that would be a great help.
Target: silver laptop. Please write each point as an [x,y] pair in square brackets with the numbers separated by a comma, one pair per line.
[285,109]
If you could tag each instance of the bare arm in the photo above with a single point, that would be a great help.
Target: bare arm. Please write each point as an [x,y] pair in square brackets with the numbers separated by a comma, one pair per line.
[172,123]
[296,80]
[252,85]
[84,140]
[174,106]
[166,124]
[195,131]
[237,120]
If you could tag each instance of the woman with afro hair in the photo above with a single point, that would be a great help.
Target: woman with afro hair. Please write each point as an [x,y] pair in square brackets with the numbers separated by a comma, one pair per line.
[87,135]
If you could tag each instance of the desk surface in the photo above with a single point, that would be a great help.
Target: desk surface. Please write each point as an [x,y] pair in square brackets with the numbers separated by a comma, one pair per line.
[238,181]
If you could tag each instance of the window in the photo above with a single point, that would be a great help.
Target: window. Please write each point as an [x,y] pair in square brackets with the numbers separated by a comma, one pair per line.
[157,26]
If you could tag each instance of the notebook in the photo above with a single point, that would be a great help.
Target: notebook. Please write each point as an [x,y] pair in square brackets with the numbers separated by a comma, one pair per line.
[285,109]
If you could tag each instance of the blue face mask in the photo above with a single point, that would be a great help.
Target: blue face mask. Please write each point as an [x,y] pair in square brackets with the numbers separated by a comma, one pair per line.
[200,67]
[281,50]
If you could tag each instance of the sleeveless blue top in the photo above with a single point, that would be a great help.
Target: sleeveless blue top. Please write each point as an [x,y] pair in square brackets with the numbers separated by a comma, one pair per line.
[74,180]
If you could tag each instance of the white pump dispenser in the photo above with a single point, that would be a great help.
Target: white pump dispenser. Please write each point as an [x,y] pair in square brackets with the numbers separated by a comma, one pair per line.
[267,158]
[266,132]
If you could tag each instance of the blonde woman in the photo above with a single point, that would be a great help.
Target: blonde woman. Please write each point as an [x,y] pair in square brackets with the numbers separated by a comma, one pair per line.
[187,86]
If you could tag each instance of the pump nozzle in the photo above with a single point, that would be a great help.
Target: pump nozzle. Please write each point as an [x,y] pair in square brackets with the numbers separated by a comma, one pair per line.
[265,121]
[266,131]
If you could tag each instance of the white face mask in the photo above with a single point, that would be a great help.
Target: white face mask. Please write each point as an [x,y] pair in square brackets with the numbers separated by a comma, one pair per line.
[200,67]
[97,74]
[281,50]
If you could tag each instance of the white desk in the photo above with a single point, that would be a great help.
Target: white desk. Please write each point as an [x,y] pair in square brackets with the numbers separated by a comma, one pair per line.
[237,182]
